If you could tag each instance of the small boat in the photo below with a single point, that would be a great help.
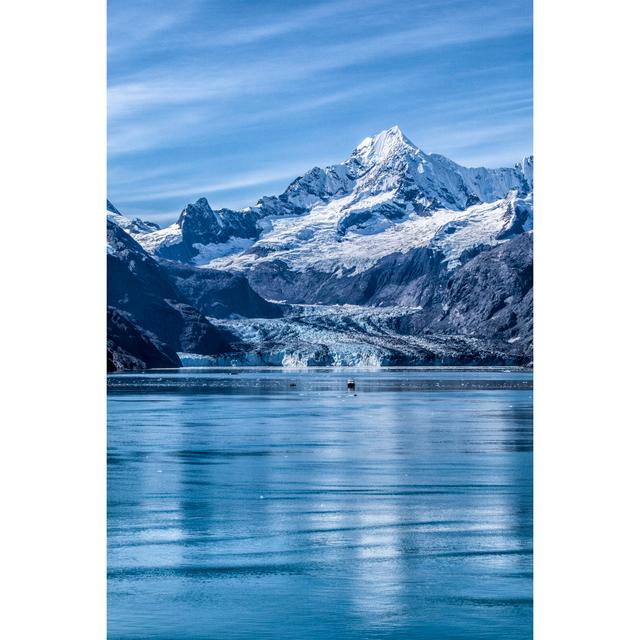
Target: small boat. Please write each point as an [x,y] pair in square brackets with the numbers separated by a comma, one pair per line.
[351,383]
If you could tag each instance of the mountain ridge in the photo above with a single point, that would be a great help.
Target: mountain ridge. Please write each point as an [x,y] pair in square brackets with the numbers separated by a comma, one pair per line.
[391,226]
[385,179]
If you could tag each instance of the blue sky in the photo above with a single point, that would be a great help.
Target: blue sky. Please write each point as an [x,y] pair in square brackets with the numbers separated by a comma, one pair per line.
[233,99]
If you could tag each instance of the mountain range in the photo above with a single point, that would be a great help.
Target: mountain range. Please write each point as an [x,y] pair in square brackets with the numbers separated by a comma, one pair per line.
[392,257]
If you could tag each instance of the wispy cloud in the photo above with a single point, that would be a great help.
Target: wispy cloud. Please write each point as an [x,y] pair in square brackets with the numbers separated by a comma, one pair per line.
[193,189]
[132,26]
[177,86]
[295,21]
[230,98]
[164,128]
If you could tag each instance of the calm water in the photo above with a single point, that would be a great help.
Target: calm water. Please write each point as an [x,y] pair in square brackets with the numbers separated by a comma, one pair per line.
[243,507]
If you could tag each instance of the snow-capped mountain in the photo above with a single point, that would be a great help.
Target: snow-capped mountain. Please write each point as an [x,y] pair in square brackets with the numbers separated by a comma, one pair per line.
[133,226]
[388,196]
[445,249]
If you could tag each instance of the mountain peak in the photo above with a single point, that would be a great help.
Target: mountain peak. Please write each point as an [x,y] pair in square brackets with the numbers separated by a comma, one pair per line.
[198,209]
[382,145]
[391,133]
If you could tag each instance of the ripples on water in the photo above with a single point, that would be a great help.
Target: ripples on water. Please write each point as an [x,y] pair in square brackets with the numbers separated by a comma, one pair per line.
[241,506]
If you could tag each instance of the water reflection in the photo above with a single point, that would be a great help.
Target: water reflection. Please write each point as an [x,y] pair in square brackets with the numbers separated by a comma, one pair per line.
[318,513]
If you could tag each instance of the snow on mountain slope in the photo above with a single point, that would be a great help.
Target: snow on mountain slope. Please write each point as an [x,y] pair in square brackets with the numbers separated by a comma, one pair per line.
[161,238]
[311,241]
[134,227]
[389,161]
[388,196]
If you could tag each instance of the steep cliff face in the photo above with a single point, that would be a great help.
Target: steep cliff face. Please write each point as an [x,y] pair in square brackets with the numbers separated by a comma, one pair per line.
[489,297]
[220,294]
[139,290]
[129,347]
[492,295]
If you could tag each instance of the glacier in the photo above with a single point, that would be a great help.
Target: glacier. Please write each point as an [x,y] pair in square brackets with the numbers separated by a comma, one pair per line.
[341,336]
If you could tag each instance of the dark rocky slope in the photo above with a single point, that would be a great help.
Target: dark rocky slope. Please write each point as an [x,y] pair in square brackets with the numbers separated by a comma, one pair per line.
[139,290]
[490,297]
[220,294]
[131,348]
[409,279]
